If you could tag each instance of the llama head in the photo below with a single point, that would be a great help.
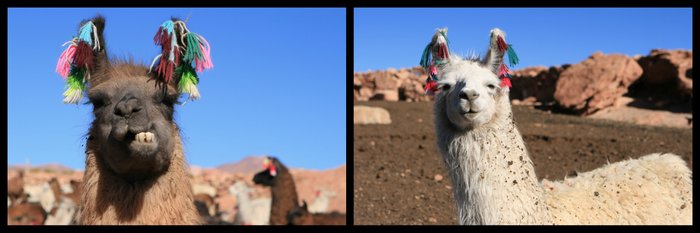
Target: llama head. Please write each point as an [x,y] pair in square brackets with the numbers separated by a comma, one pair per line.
[299,215]
[467,90]
[239,188]
[273,167]
[26,214]
[133,132]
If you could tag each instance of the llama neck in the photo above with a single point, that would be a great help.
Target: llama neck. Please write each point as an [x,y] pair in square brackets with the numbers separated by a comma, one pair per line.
[284,197]
[164,200]
[493,177]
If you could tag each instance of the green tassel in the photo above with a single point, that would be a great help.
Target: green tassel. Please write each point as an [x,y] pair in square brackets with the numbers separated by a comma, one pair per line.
[512,57]
[424,59]
[75,85]
[188,81]
[193,49]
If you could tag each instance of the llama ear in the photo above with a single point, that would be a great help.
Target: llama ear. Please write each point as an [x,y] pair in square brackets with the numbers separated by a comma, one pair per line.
[494,56]
[435,54]
[183,54]
[85,54]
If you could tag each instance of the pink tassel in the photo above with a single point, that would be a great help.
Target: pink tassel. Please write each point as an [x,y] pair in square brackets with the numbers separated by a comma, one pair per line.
[63,65]
[433,70]
[503,71]
[505,82]
[205,62]
[502,46]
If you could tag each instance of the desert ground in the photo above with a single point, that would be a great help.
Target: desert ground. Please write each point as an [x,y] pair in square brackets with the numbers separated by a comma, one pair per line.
[399,177]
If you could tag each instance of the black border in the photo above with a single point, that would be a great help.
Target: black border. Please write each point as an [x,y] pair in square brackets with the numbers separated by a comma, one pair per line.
[349,6]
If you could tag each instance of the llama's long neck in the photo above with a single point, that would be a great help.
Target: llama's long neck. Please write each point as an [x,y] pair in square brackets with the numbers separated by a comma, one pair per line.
[493,177]
[284,197]
[164,200]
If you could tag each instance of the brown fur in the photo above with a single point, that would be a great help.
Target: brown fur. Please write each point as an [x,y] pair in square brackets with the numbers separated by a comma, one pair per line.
[205,204]
[26,214]
[56,190]
[284,198]
[15,187]
[284,191]
[163,200]
[300,215]
[75,195]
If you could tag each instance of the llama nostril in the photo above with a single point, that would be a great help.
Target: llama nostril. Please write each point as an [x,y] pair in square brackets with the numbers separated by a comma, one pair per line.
[463,95]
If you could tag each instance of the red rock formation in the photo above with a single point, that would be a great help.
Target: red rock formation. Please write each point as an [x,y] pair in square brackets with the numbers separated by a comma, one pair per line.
[596,82]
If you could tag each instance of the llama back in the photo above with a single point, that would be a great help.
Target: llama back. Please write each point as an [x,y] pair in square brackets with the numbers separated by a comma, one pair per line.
[654,189]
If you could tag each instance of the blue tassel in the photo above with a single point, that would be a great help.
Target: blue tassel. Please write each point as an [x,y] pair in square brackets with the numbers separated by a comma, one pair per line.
[512,57]
[86,33]
[426,56]
[168,25]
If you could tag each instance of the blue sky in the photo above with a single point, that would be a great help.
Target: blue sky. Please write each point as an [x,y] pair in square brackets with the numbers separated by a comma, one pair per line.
[277,86]
[386,37]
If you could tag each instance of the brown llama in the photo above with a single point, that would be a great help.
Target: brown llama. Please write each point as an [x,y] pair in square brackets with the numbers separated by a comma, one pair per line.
[284,192]
[300,215]
[135,168]
[15,187]
[26,214]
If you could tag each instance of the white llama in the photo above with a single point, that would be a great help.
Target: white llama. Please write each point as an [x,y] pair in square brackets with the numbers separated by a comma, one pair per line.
[493,177]
[320,204]
[250,211]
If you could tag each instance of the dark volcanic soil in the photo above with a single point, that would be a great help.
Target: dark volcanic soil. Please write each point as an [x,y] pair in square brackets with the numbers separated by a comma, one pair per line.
[396,164]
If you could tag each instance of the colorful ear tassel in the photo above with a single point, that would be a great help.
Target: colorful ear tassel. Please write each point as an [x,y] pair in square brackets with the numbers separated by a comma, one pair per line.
[435,53]
[75,62]
[195,58]
[503,71]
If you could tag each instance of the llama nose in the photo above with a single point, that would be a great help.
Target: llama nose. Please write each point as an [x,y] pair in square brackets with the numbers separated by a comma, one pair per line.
[127,106]
[469,94]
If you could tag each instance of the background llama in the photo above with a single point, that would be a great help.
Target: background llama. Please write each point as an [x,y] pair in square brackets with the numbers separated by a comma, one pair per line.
[573,118]
[260,99]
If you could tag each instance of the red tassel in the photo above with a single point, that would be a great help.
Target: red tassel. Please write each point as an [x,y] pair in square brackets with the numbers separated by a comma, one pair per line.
[165,69]
[505,82]
[430,85]
[433,70]
[161,36]
[503,70]
[83,55]
[443,53]
[502,46]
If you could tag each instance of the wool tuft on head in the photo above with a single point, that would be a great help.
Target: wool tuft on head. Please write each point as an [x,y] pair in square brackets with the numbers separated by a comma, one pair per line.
[183,54]
[501,48]
[76,61]
[267,164]
[436,54]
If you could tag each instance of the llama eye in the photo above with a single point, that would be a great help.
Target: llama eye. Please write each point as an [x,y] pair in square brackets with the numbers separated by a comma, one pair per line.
[491,86]
[445,87]
[97,103]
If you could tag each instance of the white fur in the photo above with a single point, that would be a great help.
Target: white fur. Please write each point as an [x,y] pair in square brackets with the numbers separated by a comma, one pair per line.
[204,188]
[41,194]
[320,204]
[250,211]
[64,215]
[494,179]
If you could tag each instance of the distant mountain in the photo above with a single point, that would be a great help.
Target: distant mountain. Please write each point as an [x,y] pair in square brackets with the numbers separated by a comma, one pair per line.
[249,164]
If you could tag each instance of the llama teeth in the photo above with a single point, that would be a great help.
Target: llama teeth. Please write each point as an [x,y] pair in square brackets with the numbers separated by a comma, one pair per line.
[139,137]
